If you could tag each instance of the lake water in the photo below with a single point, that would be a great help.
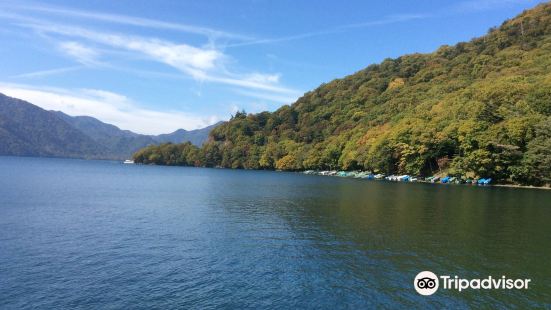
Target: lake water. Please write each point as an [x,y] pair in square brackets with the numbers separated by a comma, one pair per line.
[99,234]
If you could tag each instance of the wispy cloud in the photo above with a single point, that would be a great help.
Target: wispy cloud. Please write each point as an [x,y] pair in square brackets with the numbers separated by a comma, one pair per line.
[485,5]
[203,64]
[83,54]
[276,98]
[391,19]
[189,59]
[129,20]
[461,7]
[107,106]
[44,73]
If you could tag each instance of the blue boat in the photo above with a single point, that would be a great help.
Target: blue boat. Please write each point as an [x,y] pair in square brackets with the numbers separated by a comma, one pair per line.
[445,180]
[370,176]
[481,181]
[487,181]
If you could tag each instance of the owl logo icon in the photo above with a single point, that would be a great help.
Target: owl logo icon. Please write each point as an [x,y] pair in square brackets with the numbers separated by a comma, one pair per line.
[426,283]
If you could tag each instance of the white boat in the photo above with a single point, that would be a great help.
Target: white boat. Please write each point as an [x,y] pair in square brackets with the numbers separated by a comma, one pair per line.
[403,178]
[128,161]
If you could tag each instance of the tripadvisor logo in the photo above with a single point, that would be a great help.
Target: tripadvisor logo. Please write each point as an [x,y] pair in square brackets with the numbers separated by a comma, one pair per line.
[427,283]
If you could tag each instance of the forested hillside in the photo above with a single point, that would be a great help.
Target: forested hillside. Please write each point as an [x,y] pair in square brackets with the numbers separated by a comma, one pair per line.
[479,108]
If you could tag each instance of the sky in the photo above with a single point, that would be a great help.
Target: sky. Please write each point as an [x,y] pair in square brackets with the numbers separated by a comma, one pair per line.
[156,66]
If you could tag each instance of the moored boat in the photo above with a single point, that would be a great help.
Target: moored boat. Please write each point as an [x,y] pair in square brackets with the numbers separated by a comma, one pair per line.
[369,176]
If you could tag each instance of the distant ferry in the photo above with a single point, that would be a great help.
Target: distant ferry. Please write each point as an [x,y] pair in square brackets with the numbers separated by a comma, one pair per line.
[128,161]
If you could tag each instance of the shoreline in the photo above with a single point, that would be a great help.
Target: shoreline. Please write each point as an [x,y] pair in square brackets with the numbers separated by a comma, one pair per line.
[302,172]
[117,160]
[522,186]
[545,187]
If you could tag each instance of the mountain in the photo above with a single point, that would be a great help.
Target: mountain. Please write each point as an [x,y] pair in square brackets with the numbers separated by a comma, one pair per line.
[196,137]
[123,143]
[477,109]
[27,130]
[119,143]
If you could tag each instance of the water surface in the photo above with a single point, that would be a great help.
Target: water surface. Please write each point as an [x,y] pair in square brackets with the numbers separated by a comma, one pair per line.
[99,234]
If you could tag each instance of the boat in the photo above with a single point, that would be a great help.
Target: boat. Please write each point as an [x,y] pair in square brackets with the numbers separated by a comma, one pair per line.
[445,180]
[485,181]
[435,179]
[379,176]
[128,161]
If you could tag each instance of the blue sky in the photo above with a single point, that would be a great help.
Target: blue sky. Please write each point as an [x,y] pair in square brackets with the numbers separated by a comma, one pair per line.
[156,66]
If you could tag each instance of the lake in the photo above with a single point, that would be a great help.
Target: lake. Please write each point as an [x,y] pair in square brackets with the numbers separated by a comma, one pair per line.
[100,234]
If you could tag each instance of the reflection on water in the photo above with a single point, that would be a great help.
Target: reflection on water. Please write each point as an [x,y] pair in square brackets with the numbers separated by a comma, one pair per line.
[101,234]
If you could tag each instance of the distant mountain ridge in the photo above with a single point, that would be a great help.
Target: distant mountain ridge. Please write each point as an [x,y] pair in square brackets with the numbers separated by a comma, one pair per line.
[196,137]
[28,130]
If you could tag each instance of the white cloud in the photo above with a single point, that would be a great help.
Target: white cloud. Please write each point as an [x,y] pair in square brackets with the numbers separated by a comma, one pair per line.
[277,98]
[83,54]
[202,64]
[86,45]
[192,60]
[108,107]
[131,21]
[43,73]
[263,78]
[245,82]
[391,19]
